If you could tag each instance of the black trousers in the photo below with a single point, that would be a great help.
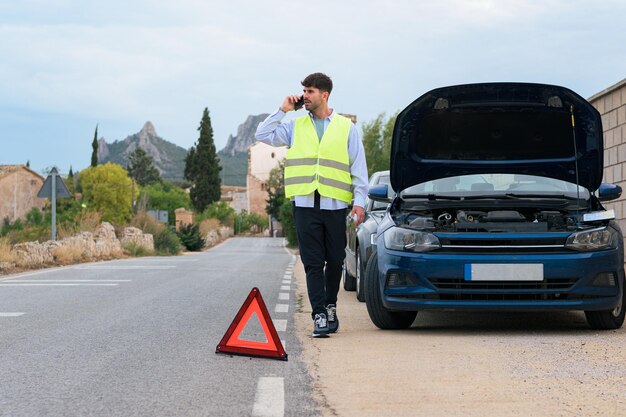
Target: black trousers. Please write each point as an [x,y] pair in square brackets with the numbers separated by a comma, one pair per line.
[322,242]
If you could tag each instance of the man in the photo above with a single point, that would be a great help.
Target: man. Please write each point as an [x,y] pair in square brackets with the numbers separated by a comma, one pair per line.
[325,170]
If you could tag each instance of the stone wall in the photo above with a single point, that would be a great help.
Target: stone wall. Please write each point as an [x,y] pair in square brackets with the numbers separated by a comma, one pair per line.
[85,246]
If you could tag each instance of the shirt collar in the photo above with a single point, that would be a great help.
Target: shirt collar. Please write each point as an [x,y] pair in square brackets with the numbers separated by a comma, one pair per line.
[329,118]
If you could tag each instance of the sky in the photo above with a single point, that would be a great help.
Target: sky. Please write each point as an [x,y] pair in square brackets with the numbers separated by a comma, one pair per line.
[69,65]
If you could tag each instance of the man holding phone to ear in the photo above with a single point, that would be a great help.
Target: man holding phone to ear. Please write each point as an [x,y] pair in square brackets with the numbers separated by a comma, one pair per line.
[325,171]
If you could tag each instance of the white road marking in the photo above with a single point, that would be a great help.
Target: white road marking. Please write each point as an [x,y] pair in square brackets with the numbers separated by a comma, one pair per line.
[121,267]
[283,296]
[284,343]
[14,315]
[269,400]
[287,276]
[280,325]
[287,281]
[285,287]
[282,308]
[70,280]
[56,285]
[174,259]
[29,274]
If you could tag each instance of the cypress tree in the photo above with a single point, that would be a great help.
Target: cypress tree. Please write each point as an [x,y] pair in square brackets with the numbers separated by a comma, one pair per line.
[202,167]
[71,173]
[141,167]
[94,146]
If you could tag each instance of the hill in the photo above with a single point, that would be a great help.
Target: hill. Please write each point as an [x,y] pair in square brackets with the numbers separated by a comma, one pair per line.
[234,156]
[169,158]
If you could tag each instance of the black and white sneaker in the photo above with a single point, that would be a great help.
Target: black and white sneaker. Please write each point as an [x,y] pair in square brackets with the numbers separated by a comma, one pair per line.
[333,321]
[320,325]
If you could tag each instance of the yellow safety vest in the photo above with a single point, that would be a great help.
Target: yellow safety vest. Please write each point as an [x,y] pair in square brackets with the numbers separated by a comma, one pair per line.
[324,165]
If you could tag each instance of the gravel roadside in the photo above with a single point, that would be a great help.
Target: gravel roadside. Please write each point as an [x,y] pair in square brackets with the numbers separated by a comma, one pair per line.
[464,364]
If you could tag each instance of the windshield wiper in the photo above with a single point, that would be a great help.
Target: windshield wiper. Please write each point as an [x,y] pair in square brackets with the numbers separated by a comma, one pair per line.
[506,196]
[563,196]
[432,196]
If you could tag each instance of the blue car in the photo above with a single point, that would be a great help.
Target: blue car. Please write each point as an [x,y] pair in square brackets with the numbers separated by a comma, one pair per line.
[498,206]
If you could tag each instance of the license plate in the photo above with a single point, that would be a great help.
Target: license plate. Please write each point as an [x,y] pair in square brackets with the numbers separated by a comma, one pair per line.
[504,272]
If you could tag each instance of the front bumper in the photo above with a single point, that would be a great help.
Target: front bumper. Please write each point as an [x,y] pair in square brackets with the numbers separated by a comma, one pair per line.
[437,281]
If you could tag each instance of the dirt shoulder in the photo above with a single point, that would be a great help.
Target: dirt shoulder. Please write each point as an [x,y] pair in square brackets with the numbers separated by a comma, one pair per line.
[464,364]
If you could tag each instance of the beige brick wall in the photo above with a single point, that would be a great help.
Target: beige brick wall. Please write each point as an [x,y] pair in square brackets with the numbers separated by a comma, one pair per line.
[257,195]
[18,193]
[611,103]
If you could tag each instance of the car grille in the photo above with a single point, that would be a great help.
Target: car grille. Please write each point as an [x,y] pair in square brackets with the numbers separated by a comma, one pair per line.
[461,284]
[461,290]
[506,245]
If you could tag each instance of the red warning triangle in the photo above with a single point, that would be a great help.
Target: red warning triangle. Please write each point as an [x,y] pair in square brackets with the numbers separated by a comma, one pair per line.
[231,342]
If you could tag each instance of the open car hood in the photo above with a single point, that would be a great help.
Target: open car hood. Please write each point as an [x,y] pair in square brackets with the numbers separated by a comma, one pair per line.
[515,128]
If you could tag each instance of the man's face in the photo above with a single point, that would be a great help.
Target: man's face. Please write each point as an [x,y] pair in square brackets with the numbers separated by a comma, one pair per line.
[313,98]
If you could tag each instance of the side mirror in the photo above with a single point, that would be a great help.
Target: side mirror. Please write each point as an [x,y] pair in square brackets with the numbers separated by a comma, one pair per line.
[379,192]
[608,192]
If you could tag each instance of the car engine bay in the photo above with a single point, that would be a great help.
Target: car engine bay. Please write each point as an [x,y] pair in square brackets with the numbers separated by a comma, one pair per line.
[530,220]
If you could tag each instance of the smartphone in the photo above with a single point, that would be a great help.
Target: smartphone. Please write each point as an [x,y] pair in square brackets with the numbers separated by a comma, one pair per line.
[298,104]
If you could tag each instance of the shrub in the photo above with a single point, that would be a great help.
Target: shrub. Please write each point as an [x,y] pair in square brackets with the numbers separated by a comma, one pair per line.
[219,210]
[135,249]
[69,253]
[208,225]
[108,189]
[250,223]
[289,225]
[166,241]
[166,196]
[190,237]
[80,221]
[7,254]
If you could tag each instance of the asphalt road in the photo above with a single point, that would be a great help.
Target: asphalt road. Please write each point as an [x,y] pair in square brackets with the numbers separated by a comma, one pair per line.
[137,337]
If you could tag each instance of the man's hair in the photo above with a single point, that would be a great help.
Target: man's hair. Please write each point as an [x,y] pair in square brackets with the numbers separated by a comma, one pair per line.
[318,80]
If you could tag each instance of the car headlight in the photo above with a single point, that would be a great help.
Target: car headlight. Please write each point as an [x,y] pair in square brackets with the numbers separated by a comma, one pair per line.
[596,239]
[397,238]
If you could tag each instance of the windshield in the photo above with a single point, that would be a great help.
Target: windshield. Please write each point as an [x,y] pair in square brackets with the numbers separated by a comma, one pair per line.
[496,184]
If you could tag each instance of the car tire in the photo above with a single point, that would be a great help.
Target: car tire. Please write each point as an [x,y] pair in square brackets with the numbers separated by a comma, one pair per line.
[380,316]
[360,278]
[349,282]
[608,319]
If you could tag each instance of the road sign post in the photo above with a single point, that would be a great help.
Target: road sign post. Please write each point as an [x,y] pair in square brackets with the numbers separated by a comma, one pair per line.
[54,188]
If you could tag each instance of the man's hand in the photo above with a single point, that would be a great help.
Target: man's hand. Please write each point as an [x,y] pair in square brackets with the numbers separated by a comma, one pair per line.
[359,213]
[289,103]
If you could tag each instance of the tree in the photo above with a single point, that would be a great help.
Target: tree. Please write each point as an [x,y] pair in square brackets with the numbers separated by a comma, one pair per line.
[202,167]
[94,146]
[276,190]
[377,136]
[28,164]
[166,196]
[141,167]
[70,175]
[107,189]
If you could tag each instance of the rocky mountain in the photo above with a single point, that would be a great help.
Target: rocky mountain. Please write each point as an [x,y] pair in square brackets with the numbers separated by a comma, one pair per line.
[234,156]
[169,158]
[245,136]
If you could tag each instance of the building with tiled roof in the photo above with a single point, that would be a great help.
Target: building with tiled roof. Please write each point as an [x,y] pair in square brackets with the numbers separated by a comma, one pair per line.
[19,186]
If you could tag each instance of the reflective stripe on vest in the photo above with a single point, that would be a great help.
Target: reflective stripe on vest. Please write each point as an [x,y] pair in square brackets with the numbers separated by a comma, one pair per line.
[323,165]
